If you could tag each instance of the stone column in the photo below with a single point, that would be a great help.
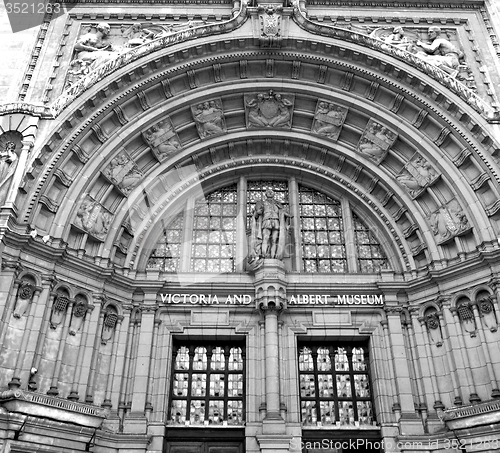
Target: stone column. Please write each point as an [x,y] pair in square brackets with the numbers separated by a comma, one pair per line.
[409,422]
[112,366]
[241,225]
[270,299]
[295,213]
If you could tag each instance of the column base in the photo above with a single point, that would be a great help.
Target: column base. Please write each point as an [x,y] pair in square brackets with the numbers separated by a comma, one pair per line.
[274,425]
[135,423]
[274,443]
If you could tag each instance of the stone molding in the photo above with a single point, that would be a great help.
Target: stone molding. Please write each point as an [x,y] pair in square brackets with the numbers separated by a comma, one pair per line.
[37,404]
[487,412]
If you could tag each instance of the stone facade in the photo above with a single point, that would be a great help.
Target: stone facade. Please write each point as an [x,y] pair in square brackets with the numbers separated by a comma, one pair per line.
[132,132]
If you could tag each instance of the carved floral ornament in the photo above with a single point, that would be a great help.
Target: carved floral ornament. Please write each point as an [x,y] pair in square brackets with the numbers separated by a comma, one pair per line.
[486,305]
[25,294]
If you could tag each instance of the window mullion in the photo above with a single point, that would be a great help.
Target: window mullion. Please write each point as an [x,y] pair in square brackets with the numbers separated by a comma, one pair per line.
[348,224]
[187,236]
[241,224]
[293,194]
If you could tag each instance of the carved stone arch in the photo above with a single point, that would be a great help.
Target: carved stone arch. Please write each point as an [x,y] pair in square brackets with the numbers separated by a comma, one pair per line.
[482,291]
[31,276]
[427,308]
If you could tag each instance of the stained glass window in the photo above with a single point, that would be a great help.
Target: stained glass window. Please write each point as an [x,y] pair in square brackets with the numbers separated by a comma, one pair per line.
[322,231]
[214,232]
[207,385]
[166,255]
[371,257]
[335,385]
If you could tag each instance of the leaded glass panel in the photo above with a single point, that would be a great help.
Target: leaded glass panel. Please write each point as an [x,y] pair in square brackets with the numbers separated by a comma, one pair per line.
[207,385]
[214,227]
[334,384]
[166,255]
[371,257]
[323,244]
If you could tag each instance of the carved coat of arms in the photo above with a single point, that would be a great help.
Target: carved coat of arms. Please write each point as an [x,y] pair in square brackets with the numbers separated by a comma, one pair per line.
[270,25]
[328,119]
[162,139]
[269,110]
[376,141]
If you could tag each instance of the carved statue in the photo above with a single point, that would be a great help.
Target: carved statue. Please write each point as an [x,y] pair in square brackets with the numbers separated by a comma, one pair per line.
[123,172]
[440,52]
[416,175]
[137,35]
[398,38]
[162,139]
[268,110]
[376,141]
[8,161]
[209,118]
[328,120]
[93,218]
[95,47]
[269,229]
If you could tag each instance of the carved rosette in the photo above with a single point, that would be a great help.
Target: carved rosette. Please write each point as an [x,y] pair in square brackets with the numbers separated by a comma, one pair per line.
[328,119]
[209,118]
[269,110]
[416,175]
[123,172]
[79,311]
[25,294]
[376,141]
[58,311]
[162,139]
[487,310]
[448,221]
[93,218]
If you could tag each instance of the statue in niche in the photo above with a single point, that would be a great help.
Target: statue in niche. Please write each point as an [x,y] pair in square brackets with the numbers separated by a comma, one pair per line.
[24,296]
[209,118]
[376,141]
[123,172]
[108,327]
[440,52]
[328,120]
[448,221]
[268,110]
[78,316]
[416,175]
[58,311]
[8,163]
[268,231]
[162,139]
[93,218]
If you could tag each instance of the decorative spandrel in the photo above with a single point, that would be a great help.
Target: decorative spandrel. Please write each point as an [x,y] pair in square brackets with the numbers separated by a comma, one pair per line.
[328,119]
[269,110]
[448,221]
[163,139]
[376,141]
[93,218]
[416,175]
[209,118]
[123,172]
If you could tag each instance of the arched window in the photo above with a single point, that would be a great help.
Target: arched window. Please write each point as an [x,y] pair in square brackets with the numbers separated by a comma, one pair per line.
[325,234]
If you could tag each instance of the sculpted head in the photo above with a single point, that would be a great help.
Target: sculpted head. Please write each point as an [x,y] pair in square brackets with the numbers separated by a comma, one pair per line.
[433,32]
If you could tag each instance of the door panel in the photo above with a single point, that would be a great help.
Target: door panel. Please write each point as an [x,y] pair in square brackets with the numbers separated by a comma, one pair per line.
[185,447]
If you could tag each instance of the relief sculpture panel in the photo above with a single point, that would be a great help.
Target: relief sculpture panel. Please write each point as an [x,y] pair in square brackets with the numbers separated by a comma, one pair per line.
[328,119]
[448,221]
[376,141]
[209,118]
[93,218]
[163,139]
[123,172]
[416,175]
[269,110]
